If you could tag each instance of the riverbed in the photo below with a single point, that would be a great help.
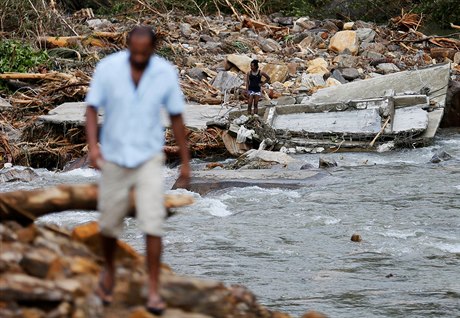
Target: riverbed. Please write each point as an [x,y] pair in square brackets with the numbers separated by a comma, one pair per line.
[293,247]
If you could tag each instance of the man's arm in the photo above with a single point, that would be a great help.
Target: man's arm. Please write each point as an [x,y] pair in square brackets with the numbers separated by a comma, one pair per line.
[178,127]
[91,136]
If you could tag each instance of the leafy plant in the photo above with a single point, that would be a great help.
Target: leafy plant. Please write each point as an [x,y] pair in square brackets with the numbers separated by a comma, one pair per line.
[19,57]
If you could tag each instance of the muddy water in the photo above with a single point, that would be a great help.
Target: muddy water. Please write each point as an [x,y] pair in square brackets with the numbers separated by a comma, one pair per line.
[293,248]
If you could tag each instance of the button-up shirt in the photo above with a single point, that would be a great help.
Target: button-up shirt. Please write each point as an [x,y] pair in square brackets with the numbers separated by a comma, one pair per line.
[132,131]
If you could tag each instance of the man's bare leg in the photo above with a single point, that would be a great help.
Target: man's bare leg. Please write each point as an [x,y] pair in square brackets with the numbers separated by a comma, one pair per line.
[109,247]
[154,249]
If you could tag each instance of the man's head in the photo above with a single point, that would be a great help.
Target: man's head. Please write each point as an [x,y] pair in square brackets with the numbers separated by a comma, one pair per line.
[254,65]
[142,43]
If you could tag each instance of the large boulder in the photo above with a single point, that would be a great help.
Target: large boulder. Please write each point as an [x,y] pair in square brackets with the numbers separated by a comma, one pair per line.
[226,81]
[277,72]
[345,42]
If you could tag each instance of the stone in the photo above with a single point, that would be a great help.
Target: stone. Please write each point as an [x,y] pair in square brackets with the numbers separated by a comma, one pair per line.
[343,61]
[300,23]
[206,38]
[16,174]
[314,314]
[372,55]
[317,66]
[221,123]
[308,42]
[375,47]
[40,263]
[284,21]
[4,104]
[268,45]
[337,75]
[307,166]
[197,73]
[349,26]
[310,81]
[20,287]
[185,29]
[387,68]
[456,60]
[240,61]
[212,47]
[292,68]
[330,26]
[277,72]
[169,313]
[332,82]
[440,156]
[327,163]
[81,265]
[365,35]
[98,23]
[27,234]
[345,41]
[356,238]
[350,73]
[226,80]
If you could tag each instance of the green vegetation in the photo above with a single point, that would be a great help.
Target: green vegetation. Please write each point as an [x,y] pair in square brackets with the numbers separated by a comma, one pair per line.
[19,57]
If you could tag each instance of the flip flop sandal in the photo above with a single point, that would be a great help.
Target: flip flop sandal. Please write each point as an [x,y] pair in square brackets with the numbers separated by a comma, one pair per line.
[105,293]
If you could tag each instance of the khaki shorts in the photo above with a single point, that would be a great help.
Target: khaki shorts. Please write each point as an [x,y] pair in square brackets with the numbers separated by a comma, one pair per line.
[115,185]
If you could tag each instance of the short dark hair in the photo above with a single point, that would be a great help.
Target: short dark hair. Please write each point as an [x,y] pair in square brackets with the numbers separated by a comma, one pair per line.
[141,31]
[256,63]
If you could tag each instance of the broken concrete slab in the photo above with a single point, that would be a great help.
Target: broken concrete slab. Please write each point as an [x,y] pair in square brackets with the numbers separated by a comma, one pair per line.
[226,81]
[195,116]
[351,122]
[435,79]
[410,119]
[203,182]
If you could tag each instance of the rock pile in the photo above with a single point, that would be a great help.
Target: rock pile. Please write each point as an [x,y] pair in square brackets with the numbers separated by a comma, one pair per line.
[50,272]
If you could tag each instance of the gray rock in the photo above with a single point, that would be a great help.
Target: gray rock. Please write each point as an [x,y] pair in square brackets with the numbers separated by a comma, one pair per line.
[14,174]
[387,68]
[285,21]
[372,55]
[365,35]
[226,80]
[307,166]
[330,26]
[346,60]
[336,74]
[185,29]
[4,104]
[212,46]
[440,156]
[206,38]
[197,73]
[98,23]
[268,45]
[350,73]
[218,122]
[327,163]
[309,81]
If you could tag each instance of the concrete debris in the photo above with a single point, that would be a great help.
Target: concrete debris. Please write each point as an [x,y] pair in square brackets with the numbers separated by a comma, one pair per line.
[387,68]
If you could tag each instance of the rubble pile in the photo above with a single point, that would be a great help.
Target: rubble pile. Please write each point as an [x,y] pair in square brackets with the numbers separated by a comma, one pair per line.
[213,53]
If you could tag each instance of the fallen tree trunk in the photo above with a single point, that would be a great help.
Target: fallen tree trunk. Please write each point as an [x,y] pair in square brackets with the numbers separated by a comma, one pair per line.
[98,39]
[25,206]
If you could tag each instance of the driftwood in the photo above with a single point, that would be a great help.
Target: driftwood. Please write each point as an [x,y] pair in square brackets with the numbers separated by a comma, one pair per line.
[98,39]
[25,206]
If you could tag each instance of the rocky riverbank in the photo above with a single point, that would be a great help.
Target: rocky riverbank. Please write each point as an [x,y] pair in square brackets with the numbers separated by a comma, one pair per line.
[51,272]
[212,53]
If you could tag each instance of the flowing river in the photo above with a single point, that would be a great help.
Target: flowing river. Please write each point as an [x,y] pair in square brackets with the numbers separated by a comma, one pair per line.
[293,248]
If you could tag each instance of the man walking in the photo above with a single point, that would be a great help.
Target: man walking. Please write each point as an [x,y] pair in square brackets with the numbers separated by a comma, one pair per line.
[131,87]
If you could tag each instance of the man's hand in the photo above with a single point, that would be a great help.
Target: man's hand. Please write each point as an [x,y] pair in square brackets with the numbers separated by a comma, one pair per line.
[184,177]
[95,157]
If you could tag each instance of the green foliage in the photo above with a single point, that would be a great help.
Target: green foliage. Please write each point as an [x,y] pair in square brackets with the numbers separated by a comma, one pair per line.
[241,47]
[442,12]
[19,57]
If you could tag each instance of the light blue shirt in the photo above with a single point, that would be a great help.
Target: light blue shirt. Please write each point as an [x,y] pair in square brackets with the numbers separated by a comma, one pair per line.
[132,132]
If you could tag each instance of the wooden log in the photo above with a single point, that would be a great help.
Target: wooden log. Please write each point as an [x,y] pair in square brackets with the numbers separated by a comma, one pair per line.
[25,206]
[54,76]
[98,39]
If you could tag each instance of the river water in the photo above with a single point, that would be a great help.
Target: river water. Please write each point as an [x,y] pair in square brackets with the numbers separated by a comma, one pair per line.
[293,248]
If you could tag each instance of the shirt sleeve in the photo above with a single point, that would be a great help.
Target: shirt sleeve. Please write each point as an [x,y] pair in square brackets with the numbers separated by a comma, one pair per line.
[174,101]
[97,96]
